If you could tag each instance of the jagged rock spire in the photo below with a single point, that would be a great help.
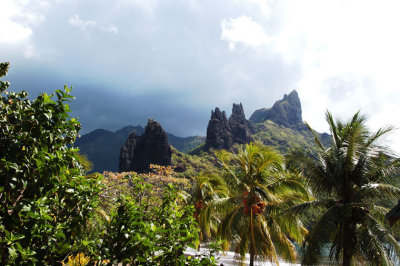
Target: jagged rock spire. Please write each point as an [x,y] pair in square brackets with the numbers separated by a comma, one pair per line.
[218,131]
[223,133]
[241,128]
[151,148]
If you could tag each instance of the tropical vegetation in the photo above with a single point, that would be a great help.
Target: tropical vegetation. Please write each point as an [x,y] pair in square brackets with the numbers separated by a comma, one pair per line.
[332,196]
[251,215]
[51,212]
[45,201]
[205,190]
[350,178]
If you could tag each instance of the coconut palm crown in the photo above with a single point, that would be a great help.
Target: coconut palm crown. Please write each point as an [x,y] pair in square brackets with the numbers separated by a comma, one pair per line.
[259,188]
[206,189]
[349,178]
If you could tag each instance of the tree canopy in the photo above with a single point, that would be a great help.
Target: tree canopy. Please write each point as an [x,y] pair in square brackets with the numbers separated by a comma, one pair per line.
[252,220]
[45,200]
[350,178]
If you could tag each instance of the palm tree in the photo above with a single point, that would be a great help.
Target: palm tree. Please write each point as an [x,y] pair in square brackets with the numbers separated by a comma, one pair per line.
[349,178]
[259,188]
[206,189]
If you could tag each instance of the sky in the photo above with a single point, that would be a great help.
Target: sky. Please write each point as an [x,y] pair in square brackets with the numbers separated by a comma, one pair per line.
[176,60]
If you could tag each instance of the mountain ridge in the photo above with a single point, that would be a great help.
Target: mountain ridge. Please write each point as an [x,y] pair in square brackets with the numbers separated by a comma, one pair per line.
[280,126]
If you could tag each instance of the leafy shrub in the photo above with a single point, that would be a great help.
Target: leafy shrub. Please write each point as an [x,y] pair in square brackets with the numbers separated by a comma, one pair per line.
[50,213]
[146,224]
[44,199]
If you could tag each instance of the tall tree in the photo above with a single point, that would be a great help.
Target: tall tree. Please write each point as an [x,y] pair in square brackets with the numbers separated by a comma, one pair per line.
[349,178]
[259,188]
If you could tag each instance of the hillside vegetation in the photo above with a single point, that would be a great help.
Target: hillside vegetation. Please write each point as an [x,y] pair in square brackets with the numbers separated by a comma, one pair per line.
[249,198]
[285,139]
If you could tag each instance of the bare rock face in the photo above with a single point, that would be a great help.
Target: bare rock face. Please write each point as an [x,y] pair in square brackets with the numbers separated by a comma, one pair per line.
[218,131]
[223,133]
[286,112]
[151,148]
[241,128]
[127,153]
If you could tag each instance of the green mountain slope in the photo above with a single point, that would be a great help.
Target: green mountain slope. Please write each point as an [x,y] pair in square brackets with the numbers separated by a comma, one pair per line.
[284,138]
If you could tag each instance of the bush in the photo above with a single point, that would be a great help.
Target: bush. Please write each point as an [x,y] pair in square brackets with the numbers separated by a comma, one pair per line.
[143,220]
[138,235]
[44,199]
[51,214]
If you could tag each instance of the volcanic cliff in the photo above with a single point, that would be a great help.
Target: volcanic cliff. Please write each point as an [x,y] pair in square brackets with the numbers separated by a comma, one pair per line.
[285,112]
[223,133]
[139,152]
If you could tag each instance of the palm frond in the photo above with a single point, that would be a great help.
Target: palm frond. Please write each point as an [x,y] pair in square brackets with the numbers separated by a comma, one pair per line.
[284,246]
[378,245]
[288,186]
[320,235]
[301,208]
[378,212]
[265,246]
[378,134]
[316,138]
[291,226]
[224,158]
[376,191]
[333,127]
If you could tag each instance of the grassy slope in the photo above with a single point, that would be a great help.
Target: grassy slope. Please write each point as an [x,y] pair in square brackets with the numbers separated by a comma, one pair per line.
[284,139]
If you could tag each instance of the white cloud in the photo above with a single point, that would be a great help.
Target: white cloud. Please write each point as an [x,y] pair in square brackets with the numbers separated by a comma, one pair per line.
[17,22]
[13,28]
[243,30]
[76,21]
[348,52]
[111,29]
[86,25]
[351,41]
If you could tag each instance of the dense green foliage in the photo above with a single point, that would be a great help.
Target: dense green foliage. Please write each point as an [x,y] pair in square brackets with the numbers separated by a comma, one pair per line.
[350,179]
[51,213]
[252,218]
[44,199]
[140,231]
[143,220]
[190,166]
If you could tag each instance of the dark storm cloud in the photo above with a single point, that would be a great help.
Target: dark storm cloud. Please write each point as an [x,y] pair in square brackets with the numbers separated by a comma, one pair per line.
[104,109]
[130,60]
[100,107]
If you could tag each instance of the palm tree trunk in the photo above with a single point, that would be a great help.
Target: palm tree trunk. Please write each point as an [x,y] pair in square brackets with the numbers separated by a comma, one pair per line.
[348,247]
[252,251]
[346,260]
[347,254]
[252,257]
